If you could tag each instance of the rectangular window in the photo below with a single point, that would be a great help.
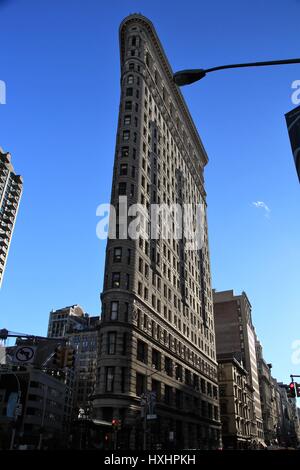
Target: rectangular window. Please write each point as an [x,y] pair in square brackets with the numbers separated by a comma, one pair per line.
[196,381]
[126,135]
[127,120]
[156,359]
[140,265]
[128,105]
[129,91]
[114,310]
[123,169]
[117,255]
[169,366]
[178,371]
[140,288]
[109,382]
[188,379]
[145,293]
[140,384]
[125,152]
[142,351]
[122,189]
[168,395]
[178,399]
[111,342]
[156,388]
[116,278]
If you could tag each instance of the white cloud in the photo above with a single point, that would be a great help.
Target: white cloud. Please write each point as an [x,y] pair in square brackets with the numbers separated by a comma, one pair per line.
[262,205]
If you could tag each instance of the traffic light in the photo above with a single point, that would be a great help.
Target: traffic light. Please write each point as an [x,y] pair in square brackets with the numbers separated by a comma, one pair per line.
[70,356]
[291,393]
[116,424]
[297,390]
[59,357]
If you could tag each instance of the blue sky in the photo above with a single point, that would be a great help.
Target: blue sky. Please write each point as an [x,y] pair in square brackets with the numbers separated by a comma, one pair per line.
[60,62]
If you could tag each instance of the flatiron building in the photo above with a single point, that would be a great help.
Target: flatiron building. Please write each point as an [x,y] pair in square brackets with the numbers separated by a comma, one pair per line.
[157,369]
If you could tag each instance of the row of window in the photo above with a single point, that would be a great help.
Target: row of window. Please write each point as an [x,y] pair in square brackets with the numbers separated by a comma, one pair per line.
[172,396]
[173,369]
[161,335]
[161,89]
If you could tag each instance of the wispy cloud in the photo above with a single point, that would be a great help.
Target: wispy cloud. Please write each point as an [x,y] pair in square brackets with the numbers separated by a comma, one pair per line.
[262,205]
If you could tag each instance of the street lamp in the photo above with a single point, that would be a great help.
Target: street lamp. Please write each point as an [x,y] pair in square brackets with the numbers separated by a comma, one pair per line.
[186,77]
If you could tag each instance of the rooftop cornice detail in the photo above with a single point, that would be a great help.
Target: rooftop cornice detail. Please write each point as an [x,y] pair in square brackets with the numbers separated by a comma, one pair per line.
[148,26]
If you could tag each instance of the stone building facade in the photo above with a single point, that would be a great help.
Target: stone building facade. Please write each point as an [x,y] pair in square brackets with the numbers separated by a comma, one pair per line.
[236,404]
[157,340]
[235,334]
[268,397]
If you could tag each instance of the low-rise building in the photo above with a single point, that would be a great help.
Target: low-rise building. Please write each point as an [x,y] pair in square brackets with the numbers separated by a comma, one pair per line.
[31,408]
[235,335]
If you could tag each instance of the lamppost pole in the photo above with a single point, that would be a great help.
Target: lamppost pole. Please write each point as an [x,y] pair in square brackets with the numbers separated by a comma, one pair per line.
[13,435]
[145,409]
[186,77]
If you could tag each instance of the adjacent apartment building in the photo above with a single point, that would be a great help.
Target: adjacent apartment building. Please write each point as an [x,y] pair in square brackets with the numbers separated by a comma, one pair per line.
[81,331]
[10,195]
[235,334]
[157,369]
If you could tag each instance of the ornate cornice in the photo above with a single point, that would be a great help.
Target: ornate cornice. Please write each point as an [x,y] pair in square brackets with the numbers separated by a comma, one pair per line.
[148,26]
